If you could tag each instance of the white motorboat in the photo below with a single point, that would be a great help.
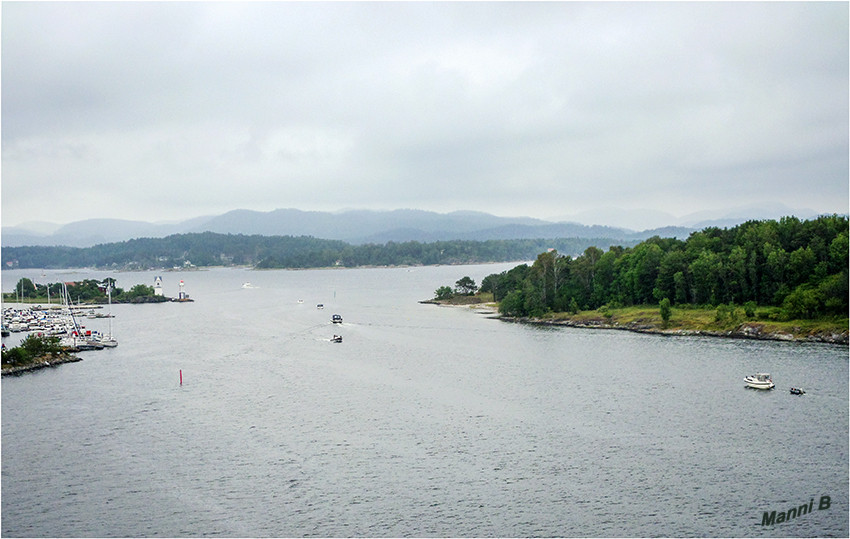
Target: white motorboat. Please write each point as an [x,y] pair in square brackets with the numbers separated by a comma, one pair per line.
[760,380]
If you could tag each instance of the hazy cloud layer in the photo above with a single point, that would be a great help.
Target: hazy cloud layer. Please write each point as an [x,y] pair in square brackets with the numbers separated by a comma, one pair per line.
[157,110]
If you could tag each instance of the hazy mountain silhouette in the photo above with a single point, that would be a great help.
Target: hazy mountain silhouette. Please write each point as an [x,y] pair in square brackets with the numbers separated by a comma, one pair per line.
[366,226]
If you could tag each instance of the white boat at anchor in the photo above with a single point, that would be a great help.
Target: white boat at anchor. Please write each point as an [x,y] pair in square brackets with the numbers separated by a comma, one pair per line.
[760,380]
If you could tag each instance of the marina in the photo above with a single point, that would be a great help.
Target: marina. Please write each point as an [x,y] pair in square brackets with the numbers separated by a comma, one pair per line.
[62,321]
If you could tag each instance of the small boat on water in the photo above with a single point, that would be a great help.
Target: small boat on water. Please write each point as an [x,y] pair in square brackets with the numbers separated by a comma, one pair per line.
[797,391]
[320,306]
[247,285]
[760,380]
[336,319]
[337,338]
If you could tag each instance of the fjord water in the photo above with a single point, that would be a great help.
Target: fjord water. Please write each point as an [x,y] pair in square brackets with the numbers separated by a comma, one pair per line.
[424,421]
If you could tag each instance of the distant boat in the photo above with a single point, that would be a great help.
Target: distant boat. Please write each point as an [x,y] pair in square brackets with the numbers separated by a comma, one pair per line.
[797,391]
[336,319]
[337,338]
[247,285]
[300,301]
[320,306]
[760,380]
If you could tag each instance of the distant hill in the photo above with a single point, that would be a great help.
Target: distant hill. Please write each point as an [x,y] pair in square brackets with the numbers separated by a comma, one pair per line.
[364,226]
[353,226]
[641,219]
[96,231]
[357,226]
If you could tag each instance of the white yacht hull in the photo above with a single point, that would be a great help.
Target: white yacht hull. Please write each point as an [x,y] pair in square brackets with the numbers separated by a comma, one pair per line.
[757,384]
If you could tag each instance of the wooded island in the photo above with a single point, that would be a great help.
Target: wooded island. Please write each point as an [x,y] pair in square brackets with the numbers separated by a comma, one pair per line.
[790,270]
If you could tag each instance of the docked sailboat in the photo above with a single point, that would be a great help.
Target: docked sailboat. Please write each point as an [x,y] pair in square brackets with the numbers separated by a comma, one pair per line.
[109,340]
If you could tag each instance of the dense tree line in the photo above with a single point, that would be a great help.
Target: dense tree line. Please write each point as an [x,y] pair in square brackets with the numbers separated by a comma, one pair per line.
[799,266]
[203,249]
[266,252]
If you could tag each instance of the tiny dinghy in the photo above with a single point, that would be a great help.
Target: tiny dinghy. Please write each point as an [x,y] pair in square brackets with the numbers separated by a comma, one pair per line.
[337,338]
[797,391]
[760,380]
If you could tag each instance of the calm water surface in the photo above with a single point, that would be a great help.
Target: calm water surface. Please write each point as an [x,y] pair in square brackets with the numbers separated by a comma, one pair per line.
[425,421]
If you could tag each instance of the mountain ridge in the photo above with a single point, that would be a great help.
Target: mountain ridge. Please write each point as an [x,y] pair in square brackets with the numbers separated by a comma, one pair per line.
[353,226]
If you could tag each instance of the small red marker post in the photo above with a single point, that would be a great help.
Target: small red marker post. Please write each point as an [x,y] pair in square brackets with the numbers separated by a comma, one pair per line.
[181,377]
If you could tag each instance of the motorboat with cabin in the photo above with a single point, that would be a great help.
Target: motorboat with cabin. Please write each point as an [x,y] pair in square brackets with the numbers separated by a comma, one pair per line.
[337,338]
[336,319]
[760,380]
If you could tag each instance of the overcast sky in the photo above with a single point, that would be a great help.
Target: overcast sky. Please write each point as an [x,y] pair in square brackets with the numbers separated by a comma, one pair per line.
[167,111]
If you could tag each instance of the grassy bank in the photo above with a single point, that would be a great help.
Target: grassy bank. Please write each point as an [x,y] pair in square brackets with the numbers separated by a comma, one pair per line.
[462,299]
[729,321]
[726,321]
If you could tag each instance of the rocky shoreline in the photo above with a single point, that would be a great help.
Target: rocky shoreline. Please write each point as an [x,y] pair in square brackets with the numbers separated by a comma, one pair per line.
[42,363]
[748,330]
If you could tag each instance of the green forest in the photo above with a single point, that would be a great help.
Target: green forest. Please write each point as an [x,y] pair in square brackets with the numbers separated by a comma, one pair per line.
[800,268]
[281,252]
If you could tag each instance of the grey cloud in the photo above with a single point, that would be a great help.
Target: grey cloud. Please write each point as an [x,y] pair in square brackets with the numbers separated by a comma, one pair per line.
[535,108]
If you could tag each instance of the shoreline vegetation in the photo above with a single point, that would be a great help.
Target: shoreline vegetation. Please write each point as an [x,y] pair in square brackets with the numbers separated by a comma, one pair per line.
[682,322]
[785,280]
[40,363]
[36,352]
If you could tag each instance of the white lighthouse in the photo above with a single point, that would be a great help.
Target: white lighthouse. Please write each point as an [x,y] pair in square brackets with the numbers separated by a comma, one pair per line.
[182,294]
[157,286]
